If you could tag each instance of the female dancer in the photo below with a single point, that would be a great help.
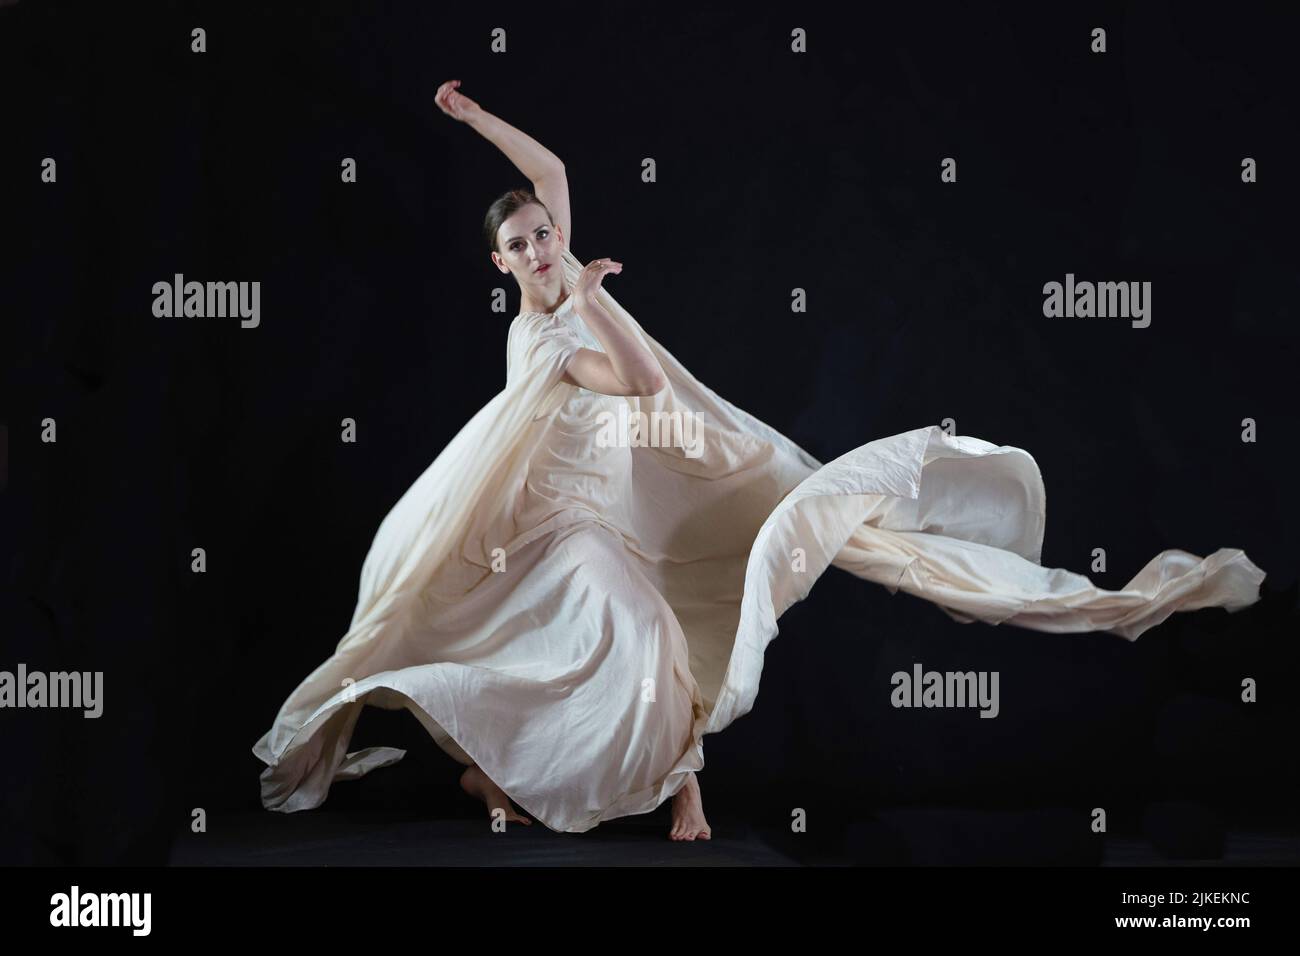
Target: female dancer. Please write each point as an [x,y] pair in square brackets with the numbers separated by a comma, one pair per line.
[526,233]
[568,613]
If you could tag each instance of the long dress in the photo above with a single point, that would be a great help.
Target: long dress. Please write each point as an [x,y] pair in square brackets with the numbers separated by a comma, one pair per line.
[581,586]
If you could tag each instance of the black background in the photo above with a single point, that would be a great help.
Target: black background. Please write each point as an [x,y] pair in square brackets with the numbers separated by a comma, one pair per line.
[775,171]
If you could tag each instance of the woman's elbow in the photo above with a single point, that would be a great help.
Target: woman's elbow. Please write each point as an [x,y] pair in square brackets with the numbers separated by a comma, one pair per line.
[652,384]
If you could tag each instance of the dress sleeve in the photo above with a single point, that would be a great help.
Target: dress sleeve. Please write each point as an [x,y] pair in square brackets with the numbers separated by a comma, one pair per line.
[540,345]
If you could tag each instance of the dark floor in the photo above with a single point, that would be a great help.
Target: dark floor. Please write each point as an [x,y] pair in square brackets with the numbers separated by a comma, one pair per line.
[324,838]
[925,837]
[1245,848]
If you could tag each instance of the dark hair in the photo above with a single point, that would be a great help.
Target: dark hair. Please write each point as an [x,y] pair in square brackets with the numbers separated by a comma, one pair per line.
[506,206]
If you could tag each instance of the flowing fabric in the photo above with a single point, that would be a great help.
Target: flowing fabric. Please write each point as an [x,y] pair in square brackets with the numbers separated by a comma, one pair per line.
[581,586]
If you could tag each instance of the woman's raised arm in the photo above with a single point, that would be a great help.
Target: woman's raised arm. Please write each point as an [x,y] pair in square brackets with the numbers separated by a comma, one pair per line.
[542,167]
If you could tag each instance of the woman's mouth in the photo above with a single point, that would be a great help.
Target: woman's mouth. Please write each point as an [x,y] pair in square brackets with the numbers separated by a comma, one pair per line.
[543,268]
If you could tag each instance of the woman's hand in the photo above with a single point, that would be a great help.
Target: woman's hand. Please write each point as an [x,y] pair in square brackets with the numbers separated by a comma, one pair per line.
[588,282]
[456,105]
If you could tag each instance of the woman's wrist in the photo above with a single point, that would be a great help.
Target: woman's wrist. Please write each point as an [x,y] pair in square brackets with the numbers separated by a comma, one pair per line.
[481,121]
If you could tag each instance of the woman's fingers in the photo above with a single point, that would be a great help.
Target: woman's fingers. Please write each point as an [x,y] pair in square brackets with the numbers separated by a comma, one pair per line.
[446,99]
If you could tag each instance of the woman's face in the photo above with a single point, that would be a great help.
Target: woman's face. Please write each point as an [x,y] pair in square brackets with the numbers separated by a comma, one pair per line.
[529,247]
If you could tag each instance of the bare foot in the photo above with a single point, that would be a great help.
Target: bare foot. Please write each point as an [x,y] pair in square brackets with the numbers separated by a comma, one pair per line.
[688,813]
[478,785]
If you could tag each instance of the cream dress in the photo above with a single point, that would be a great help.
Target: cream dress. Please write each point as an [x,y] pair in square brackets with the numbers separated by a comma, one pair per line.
[573,605]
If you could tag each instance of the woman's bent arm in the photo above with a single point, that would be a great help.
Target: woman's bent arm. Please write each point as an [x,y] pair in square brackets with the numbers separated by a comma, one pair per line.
[632,365]
[529,156]
[542,167]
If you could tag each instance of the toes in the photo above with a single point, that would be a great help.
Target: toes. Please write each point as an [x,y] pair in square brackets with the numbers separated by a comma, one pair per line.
[684,831]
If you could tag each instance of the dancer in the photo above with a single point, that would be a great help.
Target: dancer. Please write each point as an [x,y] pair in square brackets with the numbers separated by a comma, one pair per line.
[576,591]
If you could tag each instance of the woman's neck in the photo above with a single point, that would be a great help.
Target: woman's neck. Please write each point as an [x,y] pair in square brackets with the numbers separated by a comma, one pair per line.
[528,305]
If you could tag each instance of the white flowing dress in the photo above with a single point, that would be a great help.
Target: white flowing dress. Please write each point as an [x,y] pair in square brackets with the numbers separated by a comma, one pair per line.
[573,606]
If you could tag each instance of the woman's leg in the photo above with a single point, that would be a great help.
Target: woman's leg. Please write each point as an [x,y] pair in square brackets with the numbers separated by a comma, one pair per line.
[478,785]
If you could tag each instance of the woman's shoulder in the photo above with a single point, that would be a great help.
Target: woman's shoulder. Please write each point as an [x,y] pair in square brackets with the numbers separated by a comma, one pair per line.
[530,328]
[535,322]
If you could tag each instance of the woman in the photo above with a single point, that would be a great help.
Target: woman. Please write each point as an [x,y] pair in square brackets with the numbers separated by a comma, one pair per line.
[568,608]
